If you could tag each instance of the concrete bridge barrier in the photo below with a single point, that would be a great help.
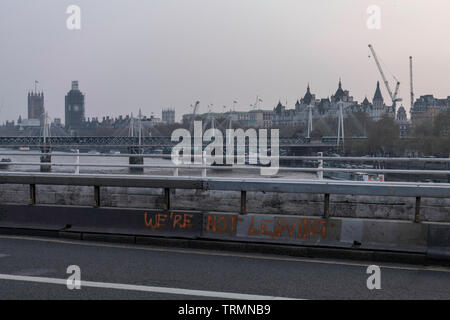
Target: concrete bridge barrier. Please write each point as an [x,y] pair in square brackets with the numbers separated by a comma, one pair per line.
[343,206]
[429,239]
[393,217]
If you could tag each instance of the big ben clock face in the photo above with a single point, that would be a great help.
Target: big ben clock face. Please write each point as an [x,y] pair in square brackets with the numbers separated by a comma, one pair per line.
[76,108]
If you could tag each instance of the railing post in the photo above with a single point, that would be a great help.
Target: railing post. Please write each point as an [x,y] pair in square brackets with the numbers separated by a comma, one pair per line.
[417,215]
[166,198]
[77,161]
[204,164]
[97,196]
[320,166]
[243,202]
[326,206]
[32,194]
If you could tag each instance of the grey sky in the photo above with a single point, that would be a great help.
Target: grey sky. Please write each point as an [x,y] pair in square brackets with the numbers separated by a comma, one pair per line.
[170,53]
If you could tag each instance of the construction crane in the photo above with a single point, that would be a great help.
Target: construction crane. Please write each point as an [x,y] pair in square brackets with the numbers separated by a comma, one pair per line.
[194,113]
[411,81]
[255,105]
[393,96]
[210,118]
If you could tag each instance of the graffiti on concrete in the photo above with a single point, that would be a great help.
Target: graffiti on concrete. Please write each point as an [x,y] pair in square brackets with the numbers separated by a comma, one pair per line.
[305,228]
[301,228]
[273,227]
[180,221]
[222,224]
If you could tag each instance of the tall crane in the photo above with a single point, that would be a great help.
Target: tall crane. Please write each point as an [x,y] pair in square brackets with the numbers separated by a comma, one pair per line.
[411,81]
[393,96]
[255,105]
[194,113]
[210,118]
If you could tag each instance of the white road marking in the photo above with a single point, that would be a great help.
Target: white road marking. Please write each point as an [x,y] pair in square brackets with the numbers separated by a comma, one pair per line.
[120,286]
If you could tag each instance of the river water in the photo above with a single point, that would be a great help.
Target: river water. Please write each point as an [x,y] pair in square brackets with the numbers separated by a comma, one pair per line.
[27,156]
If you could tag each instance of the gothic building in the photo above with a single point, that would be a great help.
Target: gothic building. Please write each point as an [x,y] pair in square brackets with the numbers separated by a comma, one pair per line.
[428,107]
[168,116]
[74,108]
[342,95]
[403,122]
[36,106]
[329,107]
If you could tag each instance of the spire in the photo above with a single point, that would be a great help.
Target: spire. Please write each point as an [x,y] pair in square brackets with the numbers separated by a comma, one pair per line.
[339,92]
[279,107]
[366,101]
[377,95]
[308,96]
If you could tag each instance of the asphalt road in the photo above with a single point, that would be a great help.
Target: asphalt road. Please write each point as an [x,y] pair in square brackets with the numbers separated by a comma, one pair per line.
[118,271]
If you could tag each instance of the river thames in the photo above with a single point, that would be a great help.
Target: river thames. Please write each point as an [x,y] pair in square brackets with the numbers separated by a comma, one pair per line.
[120,160]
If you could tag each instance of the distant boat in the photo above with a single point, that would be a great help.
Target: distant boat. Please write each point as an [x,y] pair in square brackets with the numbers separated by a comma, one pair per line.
[24,148]
[93,152]
[114,152]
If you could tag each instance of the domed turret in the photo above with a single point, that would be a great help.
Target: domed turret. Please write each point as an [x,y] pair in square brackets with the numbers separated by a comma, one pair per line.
[339,92]
[308,96]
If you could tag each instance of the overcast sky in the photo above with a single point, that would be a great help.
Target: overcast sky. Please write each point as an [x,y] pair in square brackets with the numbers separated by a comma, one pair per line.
[153,54]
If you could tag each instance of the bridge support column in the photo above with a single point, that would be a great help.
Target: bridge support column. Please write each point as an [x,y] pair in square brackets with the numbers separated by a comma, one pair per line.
[167,199]
[97,197]
[136,160]
[326,206]
[32,194]
[46,158]
[243,202]
[417,214]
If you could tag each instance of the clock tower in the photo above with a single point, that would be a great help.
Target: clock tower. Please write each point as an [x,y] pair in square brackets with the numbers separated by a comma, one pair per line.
[74,110]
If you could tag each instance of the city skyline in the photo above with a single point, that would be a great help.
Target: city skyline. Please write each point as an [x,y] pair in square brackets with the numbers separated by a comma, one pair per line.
[210,107]
[265,49]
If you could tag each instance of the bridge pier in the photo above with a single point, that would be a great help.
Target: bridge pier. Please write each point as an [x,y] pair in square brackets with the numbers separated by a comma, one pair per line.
[136,159]
[46,158]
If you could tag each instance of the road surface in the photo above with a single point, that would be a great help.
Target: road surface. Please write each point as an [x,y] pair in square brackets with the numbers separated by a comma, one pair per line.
[36,268]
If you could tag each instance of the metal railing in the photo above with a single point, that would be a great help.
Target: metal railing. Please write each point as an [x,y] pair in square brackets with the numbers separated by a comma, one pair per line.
[168,183]
[243,185]
[146,155]
[319,160]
